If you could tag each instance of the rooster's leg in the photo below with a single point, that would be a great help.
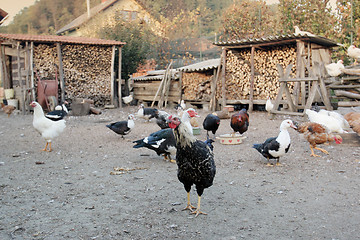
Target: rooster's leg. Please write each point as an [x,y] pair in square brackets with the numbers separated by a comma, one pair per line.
[50,149]
[197,210]
[188,206]
[323,150]
[45,149]
[312,152]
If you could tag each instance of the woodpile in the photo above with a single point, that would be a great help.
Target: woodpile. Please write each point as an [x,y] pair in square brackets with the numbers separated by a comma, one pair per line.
[346,90]
[196,86]
[86,70]
[238,72]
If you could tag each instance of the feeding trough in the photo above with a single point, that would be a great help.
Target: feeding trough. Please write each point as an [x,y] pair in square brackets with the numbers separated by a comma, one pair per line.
[230,139]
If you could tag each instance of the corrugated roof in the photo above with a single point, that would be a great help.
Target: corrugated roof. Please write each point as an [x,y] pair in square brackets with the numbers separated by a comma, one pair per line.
[201,66]
[156,75]
[278,40]
[59,39]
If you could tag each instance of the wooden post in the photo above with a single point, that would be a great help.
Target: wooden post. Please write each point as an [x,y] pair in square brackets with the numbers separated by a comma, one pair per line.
[213,90]
[61,73]
[112,78]
[32,85]
[22,98]
[120,80]
[251,105]
[223,81]
[180,85]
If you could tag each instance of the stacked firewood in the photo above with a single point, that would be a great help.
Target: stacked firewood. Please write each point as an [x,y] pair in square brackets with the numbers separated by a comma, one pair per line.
[197,86]
[86,70]
[266,75]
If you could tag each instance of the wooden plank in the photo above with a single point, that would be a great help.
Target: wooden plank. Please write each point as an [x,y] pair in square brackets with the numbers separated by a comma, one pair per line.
[287,113]
[119,76]
[112,75]
[252,73]
[344,86]
[324,95]
[32,85]
[348,104]
[223,80]
[312,93]
[22,98]
[299,79]
[61,73]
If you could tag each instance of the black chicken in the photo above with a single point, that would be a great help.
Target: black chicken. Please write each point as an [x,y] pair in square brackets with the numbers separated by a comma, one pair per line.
[162,142]
[195,162]
[211,123]
[240,121]
[123,127]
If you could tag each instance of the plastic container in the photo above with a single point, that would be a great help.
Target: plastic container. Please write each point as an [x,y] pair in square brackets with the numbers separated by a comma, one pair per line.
[9,93]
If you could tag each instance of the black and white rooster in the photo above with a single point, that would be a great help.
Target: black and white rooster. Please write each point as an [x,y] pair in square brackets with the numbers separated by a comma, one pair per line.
[211,123]
[59,113]
[195,161]
[123,127]
[276,147]
[162,142]
[146,113]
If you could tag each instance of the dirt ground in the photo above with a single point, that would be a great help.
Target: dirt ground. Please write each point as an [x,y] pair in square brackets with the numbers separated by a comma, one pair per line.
[72,194]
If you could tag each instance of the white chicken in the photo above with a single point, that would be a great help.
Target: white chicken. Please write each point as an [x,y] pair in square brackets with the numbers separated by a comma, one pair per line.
[299,32]
[335,69]
[344,124]
[328,121]
[127,99]
[49,129]
[354,52]
[269,105]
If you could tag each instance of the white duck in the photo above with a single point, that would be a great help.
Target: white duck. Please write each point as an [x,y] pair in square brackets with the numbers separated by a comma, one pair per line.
[49,129]
[335,69]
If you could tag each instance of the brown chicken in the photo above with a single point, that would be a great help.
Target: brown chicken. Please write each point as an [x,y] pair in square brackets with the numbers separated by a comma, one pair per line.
[240,121]
[8,109]
[316,134]
[353,119]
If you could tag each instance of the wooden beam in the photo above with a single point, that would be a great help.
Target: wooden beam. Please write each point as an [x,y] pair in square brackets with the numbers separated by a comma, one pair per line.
[22,98]
[112,75]
[32,85]
[223,80]
[61,73]
[252,74]
[119,74]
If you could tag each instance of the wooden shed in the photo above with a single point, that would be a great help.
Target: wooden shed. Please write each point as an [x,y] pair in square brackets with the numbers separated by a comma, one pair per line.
[83,67]
[198,81]
[149,88]
[251,67]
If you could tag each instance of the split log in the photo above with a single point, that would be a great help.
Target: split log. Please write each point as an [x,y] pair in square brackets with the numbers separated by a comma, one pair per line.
[347,94]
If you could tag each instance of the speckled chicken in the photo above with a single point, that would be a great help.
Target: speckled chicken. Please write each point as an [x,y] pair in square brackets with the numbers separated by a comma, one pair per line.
[195,161]
[316,134]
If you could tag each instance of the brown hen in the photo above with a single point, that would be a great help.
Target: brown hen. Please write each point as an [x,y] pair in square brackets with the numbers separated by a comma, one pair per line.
[8,109]
[240,121]
[315,134]
[353,119]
